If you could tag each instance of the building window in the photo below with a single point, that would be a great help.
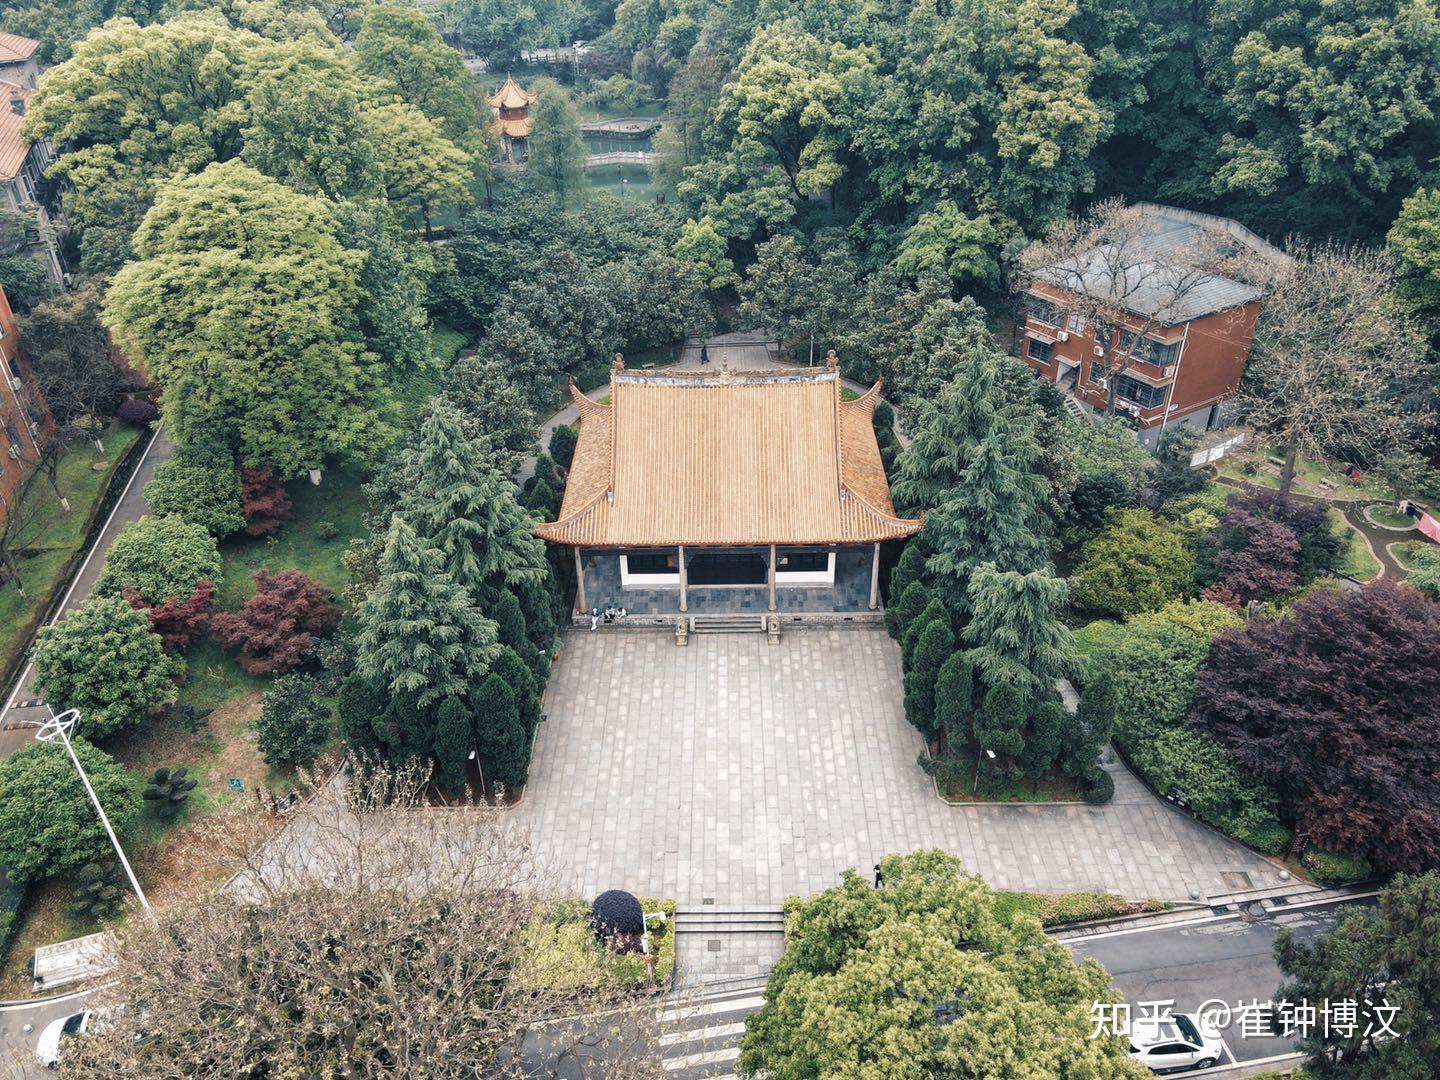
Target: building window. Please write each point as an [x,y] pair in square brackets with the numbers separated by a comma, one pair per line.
[1159,353]
[1043,311]
[1039,350]
[660,562]
[1142,394]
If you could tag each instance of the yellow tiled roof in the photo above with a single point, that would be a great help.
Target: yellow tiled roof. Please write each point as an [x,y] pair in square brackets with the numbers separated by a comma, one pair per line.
[729,458]
[510,96]
[13,48]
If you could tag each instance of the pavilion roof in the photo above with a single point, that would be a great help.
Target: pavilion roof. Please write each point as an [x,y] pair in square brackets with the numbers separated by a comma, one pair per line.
[510,96]
[517,129]
[726,458]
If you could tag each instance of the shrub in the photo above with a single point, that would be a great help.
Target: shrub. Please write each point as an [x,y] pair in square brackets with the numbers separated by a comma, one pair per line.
[161,558]
[169,790]
[1137,563]
[294,722]
[1335,867]
[1099,788]
[562,444]
[97,892]
[104,660]
[325,531]
[1080,907]
[263,501]
[47,823]
[201,486]
[137,412]
[178,622]
[500,733]
[1271,837]
[884,416]
[276,628]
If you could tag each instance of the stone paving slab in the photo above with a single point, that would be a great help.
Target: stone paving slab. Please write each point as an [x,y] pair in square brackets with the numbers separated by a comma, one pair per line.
[743,773]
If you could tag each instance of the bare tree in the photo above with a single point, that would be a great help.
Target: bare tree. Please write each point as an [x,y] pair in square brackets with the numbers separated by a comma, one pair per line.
[367,937]
[1332,358]
[1125,278]
[20,513]
[70,352]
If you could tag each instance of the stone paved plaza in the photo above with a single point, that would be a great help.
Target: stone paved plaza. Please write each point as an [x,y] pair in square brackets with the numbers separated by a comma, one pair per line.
[741,773]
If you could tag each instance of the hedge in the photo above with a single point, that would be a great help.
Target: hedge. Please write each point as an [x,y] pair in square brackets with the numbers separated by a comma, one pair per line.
[1052,909]
[1335,867]
[12,899]
[563,952]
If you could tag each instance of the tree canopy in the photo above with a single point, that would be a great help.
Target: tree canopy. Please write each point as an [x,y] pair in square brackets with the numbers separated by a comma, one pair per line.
[1334,707]
[243,304]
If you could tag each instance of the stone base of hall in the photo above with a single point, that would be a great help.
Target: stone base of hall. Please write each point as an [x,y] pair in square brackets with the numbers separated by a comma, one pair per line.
[823,587]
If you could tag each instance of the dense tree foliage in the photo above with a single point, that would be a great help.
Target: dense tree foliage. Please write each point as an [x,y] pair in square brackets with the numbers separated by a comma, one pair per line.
[199,484]
[276,628]
[243,306]
[1136,563]
[1388,955]
[872,983]
[1334,707]
[294,722]
[161,558]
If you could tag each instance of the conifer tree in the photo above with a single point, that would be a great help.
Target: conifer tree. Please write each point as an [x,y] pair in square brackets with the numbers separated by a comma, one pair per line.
[519,678]
[1094,723]
[454,740]
[911,567]
[465,508]
[955,700]
[992,515]
[934,610]
[948,437]
[1000,728]
[421,638]
[935,646]
[1016,631]
[902,612]
[500,733]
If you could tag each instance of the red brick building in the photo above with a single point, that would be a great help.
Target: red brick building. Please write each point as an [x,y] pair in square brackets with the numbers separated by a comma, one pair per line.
[24,421]
[1185,350]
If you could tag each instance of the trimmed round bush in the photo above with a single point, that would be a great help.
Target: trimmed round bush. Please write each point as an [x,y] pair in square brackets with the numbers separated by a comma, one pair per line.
[137,412]
[1099,788]
[160,558]
[617,913]
[47,823]
[562,444]
[104,659]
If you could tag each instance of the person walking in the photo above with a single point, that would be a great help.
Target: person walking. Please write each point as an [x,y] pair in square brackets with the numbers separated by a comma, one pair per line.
[704,354]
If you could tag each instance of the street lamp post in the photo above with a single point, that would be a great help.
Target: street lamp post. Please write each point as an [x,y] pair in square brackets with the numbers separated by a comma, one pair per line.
[976,786]
[59,727]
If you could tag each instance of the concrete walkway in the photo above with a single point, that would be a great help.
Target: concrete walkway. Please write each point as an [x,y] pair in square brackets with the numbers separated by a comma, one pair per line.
[19,712]
[735,773]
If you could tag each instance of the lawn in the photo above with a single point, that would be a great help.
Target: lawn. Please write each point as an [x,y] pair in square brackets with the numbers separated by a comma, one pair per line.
[303,543]
[1355,558]
[1258,466]
[1387,517]
[56,534]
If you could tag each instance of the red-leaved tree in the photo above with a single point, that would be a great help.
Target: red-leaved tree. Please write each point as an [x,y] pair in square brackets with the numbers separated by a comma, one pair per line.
[263,501]
[178,622]
[1337,707]
[277,626]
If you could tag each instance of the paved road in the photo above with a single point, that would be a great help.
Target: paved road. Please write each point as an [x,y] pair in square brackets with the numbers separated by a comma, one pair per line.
[1228,958]
[17,1046]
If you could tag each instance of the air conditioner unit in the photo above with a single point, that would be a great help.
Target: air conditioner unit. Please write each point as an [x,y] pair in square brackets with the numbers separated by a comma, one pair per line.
[33,426]
[14,384]
[14,452]
[1062,335]
[1102,382]
[1099,351]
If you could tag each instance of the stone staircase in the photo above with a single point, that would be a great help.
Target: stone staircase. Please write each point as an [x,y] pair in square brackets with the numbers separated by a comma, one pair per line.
[711,920]
[727,624]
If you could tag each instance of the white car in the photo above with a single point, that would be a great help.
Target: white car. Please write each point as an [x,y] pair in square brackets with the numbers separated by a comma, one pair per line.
[1175,1044]
[48,1049]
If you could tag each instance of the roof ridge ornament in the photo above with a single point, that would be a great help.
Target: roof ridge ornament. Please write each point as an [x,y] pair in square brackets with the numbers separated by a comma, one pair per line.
[832,361]
[619,362]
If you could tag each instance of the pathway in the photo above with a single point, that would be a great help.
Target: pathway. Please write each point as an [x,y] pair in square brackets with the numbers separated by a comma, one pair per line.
[19,711]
